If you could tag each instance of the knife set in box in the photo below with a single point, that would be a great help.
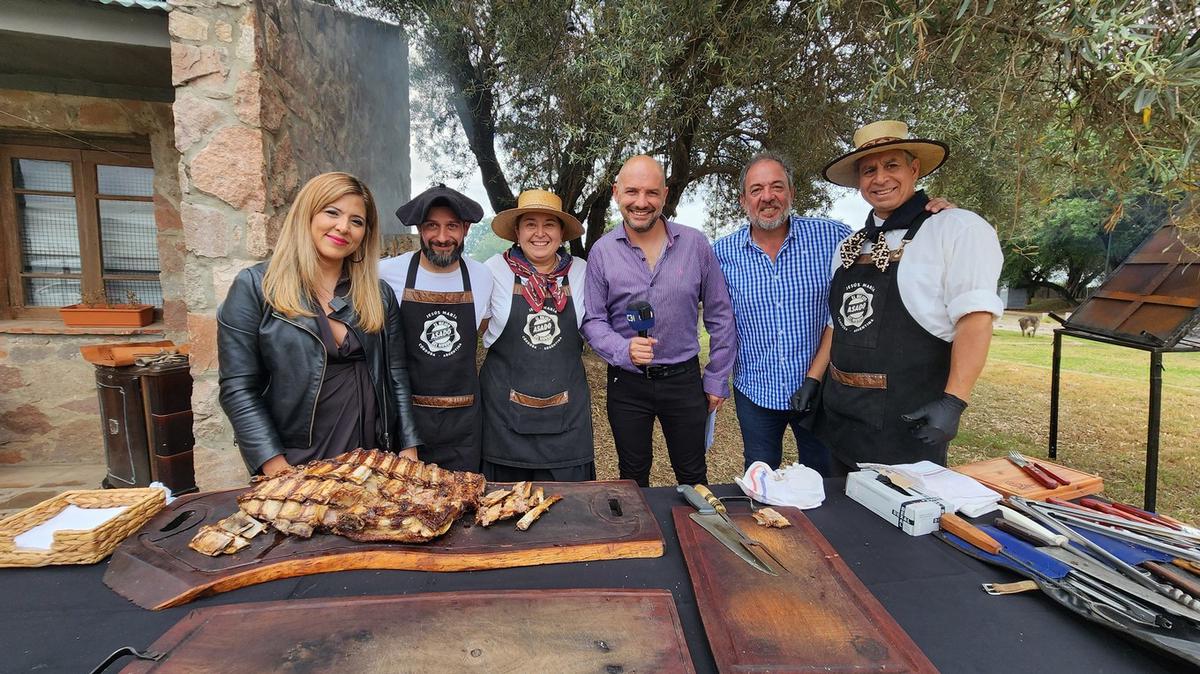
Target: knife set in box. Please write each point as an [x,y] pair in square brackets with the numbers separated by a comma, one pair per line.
[914,514]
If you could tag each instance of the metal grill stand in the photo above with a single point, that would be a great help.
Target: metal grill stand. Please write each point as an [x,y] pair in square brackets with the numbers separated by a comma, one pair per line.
[1151,303]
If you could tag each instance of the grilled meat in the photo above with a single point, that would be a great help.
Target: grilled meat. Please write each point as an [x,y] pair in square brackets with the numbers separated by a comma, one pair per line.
[364,495]
[504,504]
[769,517]
[535,512]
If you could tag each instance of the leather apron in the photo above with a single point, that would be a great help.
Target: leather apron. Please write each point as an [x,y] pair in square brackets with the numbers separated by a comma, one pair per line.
[537,408]
[440,334]
[882,364]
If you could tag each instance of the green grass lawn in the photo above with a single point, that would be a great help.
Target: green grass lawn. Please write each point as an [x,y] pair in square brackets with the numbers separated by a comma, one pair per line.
[1104,402]
[1082,355]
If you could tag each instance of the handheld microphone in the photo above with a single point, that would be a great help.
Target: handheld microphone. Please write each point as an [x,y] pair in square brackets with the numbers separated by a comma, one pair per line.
[641,317]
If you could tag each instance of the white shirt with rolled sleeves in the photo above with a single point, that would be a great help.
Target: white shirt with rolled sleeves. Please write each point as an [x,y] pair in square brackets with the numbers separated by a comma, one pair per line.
[950,269]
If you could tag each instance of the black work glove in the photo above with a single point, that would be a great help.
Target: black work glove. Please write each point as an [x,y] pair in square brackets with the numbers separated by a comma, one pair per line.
[936,422]
[805,397]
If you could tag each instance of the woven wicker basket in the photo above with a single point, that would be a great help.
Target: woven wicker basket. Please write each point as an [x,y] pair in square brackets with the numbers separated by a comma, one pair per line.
[79,547]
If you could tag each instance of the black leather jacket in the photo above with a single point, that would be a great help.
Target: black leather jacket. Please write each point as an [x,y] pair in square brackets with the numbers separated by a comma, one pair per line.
[271,370]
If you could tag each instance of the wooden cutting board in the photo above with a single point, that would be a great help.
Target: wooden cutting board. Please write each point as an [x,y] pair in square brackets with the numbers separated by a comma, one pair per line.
[156,569]
[1001,475]
[511,631]
[815,617]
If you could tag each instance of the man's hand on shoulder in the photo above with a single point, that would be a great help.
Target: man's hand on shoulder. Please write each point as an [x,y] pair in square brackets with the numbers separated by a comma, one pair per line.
[939,204]
[641,350]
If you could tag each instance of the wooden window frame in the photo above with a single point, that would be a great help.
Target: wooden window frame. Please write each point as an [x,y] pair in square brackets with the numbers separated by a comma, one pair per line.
[85,181]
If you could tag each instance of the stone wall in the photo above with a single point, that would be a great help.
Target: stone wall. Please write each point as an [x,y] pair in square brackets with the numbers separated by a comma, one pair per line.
[48,407]
[269,94]
[343,84]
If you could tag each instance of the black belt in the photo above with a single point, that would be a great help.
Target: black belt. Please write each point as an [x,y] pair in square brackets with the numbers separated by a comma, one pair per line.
[672,369]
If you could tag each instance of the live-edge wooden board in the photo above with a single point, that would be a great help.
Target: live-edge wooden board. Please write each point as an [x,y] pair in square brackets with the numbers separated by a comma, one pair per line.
[155,569]
[488,631]
[817,616]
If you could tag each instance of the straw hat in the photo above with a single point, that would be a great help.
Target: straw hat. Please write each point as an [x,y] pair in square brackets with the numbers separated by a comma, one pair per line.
[535,201]
[882,137]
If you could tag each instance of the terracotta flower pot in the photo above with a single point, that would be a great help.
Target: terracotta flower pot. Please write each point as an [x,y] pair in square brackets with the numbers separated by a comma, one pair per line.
[117,316]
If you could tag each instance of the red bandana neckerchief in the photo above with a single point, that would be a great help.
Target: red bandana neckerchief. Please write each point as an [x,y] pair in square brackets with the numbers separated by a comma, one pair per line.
[538,285]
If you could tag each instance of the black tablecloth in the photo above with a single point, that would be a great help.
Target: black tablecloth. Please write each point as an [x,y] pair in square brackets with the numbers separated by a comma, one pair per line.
[64,619]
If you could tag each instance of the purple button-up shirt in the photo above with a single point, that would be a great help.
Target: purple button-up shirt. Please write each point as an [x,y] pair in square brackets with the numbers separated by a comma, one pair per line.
[685,276]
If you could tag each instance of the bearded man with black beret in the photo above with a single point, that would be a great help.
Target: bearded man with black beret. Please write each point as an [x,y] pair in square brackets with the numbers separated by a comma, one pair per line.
[443,303]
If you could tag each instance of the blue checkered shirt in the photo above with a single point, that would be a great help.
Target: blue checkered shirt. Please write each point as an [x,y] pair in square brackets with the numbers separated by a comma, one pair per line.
[780,307]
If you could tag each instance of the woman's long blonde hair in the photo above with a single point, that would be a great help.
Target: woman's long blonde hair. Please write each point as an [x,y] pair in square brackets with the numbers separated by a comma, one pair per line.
[292,274]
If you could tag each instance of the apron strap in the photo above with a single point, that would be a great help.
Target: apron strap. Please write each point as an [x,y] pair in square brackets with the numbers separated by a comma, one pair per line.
[411,281]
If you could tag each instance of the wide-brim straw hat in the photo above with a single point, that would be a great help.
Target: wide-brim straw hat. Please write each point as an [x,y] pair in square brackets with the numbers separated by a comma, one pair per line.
[536,201]
[881,137]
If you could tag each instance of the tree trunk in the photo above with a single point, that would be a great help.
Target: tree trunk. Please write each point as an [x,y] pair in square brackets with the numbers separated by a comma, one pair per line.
[475,105]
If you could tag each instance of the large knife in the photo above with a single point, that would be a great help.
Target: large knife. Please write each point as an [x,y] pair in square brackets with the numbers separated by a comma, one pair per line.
[755,547]
[721,529]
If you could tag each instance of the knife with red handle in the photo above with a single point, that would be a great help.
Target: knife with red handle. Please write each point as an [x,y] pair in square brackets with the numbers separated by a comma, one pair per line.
[1057,478]
[1138,512]
[1038,476]
[1065,504]
[1108,509]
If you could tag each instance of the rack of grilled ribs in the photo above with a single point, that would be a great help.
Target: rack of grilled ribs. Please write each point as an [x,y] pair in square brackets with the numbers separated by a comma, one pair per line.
[364,495]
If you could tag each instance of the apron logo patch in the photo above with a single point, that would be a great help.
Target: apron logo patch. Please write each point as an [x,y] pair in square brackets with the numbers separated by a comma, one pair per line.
[856,311]
[439,336]
[541,330]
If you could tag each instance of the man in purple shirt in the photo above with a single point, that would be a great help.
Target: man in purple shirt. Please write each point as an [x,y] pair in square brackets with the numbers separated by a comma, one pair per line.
[673,268]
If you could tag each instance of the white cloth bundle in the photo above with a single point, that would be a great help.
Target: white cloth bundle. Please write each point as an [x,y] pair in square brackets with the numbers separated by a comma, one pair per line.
[796,485]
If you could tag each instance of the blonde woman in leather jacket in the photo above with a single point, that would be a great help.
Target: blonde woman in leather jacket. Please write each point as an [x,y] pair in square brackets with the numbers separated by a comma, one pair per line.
[309,343]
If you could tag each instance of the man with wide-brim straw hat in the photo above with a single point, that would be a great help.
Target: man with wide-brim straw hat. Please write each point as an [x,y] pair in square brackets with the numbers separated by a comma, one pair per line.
[537,411]
[885,136]
[912,300]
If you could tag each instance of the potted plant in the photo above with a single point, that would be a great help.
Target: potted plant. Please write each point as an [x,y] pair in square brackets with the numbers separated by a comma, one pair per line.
[96,311]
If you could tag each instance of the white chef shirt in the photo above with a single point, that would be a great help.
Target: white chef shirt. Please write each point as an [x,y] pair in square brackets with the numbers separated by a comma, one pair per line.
[503,279]
[394,270]
[951,268]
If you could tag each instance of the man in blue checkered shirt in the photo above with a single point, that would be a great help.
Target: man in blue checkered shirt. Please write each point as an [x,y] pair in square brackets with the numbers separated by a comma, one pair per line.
[778,270]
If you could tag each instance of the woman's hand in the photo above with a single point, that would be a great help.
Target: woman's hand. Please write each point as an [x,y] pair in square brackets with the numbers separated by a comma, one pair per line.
[275,465]
[409,453]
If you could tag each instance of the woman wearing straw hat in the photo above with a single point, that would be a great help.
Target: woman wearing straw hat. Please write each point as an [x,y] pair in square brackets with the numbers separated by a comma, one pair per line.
[537,412]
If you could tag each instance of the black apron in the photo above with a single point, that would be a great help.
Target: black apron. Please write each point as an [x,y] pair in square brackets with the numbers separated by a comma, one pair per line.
[440,336]
[537,409]
[882,364]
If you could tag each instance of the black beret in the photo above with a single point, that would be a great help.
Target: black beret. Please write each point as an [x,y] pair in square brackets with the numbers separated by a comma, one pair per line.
[414,212]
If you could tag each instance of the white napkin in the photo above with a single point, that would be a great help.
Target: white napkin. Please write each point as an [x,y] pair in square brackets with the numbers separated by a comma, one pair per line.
[166,491]
[960,493]
[796,485]
[71,518]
